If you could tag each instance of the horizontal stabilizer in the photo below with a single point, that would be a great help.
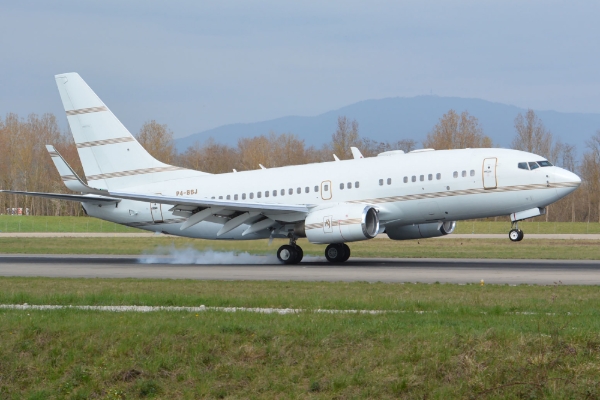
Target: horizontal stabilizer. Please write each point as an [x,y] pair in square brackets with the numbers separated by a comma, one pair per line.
[70,197]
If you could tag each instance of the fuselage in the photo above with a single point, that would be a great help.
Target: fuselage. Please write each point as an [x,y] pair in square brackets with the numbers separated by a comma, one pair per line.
[413,188]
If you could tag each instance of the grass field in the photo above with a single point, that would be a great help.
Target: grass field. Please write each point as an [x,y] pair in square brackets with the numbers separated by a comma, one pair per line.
[11,223]
[429,248]
[449,341]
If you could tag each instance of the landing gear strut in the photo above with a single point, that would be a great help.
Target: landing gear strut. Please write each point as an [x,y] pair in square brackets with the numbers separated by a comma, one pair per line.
[337,252]
[290,253]
[515,234]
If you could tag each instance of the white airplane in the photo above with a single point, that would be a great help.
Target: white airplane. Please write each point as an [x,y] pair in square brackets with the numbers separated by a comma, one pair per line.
[420,194]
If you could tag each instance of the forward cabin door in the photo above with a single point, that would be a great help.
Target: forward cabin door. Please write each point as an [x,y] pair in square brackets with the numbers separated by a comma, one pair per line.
[326,190]
[489,173]
[156,211]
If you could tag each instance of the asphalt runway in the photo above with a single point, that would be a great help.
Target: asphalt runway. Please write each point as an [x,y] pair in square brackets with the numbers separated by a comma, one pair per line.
[541,272]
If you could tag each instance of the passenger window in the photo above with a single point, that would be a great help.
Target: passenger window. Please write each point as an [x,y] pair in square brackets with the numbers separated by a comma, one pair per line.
[472,172]
[266,193]
[316,188]
[283,192]
[291,191]
[356,184]
[533,165]
[406,179]
[274,193]
[258,195]
[438,176]
[220,197]
[213,197]
[389,181]
[243,196]
[307,189]
[455,174]
[228,197]
[544,164]
[523,165]
[251,195]
[464,173]
[235,196]
[414,178]
[349,185]
[381,182]
[421,178]
[299,190]
[430,177]
[342,186]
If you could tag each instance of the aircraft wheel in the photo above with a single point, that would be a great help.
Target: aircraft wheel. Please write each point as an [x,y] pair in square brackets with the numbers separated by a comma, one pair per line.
[514,235]
[336,253]
[347,251]
[299,254]
[287,254]
[521,235]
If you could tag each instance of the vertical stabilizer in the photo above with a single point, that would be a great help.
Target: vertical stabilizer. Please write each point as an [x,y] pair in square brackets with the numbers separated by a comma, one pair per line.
[111,157]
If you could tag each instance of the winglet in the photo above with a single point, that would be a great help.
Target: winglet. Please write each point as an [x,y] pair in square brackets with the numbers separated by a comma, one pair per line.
[356,153]
[69,177]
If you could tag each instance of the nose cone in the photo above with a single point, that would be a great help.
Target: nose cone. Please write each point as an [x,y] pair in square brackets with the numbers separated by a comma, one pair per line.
[566,178]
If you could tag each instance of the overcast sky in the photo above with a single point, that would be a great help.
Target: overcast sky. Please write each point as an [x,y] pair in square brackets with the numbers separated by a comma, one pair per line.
[196,65]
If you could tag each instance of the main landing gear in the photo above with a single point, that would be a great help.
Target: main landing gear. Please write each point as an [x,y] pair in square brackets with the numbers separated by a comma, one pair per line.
[515,234]
[290,253]
[337,252]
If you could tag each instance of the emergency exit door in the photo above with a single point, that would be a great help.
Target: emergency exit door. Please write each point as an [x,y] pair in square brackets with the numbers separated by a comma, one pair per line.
[489,173]
[156,211]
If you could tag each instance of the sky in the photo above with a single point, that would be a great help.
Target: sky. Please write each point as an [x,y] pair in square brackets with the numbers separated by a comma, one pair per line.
[196,65]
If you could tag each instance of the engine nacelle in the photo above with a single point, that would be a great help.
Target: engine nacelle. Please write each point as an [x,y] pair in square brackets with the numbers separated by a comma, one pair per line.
[342,223]
[420,231]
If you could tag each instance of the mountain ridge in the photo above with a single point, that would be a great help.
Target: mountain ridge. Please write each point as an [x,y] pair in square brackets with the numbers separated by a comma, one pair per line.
[397,118]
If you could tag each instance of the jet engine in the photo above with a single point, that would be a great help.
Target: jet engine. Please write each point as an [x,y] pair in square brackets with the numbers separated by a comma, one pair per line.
[342,223]
[420,231]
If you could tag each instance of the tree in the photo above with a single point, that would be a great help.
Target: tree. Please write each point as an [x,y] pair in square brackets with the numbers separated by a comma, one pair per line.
[590,171]
[455,131]
[345,136]
[157,139]
[533,137]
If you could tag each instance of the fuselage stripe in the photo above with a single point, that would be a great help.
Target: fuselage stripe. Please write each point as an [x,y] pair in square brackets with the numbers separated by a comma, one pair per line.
[87,110]
[105,142]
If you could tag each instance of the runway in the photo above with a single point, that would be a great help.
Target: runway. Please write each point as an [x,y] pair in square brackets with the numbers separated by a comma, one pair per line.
[541,272]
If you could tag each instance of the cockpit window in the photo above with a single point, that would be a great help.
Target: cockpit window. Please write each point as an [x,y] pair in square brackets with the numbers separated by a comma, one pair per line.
[544,164]
[533,165]
[523,165]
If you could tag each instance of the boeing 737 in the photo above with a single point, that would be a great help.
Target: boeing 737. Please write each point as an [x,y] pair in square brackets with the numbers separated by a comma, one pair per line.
[420,194]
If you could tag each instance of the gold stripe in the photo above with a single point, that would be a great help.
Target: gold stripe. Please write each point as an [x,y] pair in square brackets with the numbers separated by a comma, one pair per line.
[53,154]
[87,110]
[133,172]
[105,142]
[69,178]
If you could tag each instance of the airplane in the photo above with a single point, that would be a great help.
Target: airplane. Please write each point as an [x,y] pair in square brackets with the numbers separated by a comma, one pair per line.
[414,195]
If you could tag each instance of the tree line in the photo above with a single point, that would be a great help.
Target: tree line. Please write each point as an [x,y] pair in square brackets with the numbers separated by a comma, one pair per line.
[25,164]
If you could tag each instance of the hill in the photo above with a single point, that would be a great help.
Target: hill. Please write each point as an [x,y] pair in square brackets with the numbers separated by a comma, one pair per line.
[398,118]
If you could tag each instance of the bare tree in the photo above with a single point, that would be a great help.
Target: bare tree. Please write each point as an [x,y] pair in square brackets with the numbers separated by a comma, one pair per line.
[345,137]
[455,131]
[532,136]
[157,139]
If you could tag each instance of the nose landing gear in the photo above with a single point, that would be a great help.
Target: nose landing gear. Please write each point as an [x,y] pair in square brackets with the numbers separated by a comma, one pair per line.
[515,234]
[290,253]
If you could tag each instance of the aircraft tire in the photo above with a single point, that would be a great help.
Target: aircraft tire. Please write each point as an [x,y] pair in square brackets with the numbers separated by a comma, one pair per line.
[287,254]
[514,235]
[336,253]
[347,251]
[521,235]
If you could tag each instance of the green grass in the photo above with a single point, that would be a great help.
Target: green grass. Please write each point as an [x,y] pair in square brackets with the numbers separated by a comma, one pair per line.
[429,248]
[11,223]
[474,342]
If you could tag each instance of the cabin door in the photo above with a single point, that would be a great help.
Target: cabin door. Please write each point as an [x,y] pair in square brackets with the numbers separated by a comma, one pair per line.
[156,211]
[489,173]
[326,190]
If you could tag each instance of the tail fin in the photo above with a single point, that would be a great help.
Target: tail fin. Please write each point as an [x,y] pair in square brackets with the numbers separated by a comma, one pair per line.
[111,157]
